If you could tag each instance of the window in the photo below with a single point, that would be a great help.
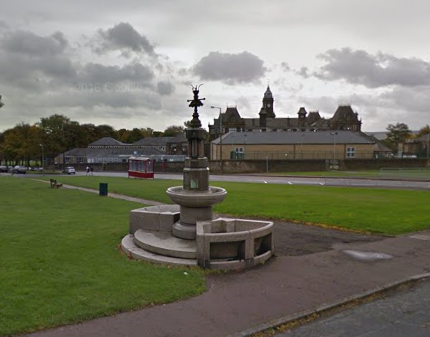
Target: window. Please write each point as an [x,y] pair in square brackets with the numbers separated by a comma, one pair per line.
[239,150]
[232,130]
[350,152]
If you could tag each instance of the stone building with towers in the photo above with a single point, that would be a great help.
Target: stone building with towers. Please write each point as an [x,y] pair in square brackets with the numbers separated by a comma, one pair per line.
[344,118]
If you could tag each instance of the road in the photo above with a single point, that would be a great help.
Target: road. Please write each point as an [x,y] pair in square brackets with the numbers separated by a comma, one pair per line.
[406,313]
[290,180]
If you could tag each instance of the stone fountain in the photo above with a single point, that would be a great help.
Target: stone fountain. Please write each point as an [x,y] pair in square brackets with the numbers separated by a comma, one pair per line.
[186,233]
[195,197]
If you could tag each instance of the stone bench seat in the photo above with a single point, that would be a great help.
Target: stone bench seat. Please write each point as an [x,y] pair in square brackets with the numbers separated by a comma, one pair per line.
[158,218]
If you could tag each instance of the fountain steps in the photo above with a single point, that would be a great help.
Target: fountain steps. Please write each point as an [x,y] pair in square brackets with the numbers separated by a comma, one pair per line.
[163,243]
[129,246]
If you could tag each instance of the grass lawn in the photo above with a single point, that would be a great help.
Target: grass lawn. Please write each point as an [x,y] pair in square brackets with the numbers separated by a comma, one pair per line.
[401,174]
[386,211]
[59,261]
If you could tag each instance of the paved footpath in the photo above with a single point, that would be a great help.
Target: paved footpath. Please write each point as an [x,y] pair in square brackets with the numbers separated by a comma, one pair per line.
[239,303]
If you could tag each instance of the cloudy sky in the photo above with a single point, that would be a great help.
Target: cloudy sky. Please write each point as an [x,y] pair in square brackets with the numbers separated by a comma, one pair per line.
[132,63]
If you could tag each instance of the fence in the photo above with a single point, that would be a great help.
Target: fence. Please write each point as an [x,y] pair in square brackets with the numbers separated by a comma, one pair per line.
[327,155]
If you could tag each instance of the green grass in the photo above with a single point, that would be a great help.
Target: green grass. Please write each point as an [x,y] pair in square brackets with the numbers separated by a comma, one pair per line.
[401,174]
[387,211]
[59,261]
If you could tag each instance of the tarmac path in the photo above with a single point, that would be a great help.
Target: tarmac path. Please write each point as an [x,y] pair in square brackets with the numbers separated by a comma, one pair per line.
[405,313]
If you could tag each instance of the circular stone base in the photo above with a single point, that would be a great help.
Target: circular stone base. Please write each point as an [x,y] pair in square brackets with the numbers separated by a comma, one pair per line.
[187,232]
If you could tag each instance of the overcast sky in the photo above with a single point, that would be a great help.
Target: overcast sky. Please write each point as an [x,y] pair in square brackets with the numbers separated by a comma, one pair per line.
[132,63]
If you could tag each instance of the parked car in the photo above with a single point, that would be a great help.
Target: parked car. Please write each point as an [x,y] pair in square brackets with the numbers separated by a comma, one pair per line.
[70,170]
[19,169]
[4,169]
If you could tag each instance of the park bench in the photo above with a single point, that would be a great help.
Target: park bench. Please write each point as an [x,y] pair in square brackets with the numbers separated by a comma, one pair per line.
[54,183]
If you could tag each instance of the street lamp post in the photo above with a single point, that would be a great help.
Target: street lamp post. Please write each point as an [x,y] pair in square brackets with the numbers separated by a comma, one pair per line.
[334,144]
[1,104]
[220,135]
[43,160]
[334,148]
[244,148]
[428,144]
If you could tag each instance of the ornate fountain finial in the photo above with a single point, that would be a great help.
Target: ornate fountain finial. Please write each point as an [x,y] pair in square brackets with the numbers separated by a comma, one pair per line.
[195,103]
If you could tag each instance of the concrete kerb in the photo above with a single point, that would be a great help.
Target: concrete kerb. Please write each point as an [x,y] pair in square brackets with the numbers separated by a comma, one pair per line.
[313,314]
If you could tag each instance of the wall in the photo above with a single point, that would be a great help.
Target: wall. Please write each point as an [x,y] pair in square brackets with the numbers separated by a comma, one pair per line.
[293,151]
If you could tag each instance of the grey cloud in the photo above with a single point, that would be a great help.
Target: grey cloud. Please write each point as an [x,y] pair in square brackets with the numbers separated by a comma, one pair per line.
[230,68]
[414,99]
[34,62]
[304,72]
[30,44]
[3,25]
[106,96]
[99,73]
[165,88]
[125,38]
[360,67]
[285,66]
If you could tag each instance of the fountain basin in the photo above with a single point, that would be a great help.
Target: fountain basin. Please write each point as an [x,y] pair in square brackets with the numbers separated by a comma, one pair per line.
[234,243]
[197,199]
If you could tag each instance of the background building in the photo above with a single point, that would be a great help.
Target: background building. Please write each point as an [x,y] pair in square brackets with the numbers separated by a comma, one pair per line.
[296,145]
[344,118]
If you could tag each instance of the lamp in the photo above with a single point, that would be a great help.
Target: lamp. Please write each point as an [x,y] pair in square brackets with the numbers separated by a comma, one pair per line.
[220,135]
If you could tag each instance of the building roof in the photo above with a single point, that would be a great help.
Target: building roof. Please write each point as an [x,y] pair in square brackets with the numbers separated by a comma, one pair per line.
[105,152]
[343,113]
[153,141]
[181,138]
[107,141]
[423,138]
[321,137]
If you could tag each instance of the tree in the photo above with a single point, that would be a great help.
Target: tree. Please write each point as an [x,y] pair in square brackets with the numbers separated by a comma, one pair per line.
[187,124]
[54,137]
[135,135]
[397,134]
[21,144]
[173,131]
[423,131]
[123,135]
[105,130]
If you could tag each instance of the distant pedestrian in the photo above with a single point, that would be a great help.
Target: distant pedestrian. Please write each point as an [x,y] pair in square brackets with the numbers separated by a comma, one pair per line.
[91,170]
[87,170]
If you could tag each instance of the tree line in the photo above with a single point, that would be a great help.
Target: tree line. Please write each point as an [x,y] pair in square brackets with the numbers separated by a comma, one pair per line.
[56,134]
[399,133]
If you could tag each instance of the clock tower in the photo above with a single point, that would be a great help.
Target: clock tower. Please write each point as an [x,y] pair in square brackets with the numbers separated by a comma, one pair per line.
[268,104]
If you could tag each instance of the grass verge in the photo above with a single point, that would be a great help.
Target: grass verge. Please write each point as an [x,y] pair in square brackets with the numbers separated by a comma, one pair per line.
[386,211]
[60,263]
